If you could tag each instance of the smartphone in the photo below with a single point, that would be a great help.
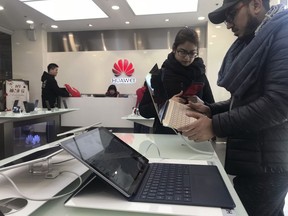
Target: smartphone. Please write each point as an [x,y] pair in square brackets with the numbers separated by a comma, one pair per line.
[193,89]
[36,103]
[48,105]
[65,104]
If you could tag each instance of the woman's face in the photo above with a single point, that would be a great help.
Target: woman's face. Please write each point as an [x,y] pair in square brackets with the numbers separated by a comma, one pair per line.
[185,53]
[112,91]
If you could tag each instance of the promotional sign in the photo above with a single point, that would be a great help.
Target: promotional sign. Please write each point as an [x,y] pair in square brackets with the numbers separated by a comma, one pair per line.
[16,90]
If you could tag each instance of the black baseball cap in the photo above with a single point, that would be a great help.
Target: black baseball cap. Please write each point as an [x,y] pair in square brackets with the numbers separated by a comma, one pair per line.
[218,16]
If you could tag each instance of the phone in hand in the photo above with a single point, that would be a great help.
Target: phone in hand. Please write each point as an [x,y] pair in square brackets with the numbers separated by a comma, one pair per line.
[193,89]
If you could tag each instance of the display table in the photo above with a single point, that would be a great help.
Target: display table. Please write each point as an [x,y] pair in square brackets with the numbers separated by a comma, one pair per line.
[150,145]
[139,119]
[16,127]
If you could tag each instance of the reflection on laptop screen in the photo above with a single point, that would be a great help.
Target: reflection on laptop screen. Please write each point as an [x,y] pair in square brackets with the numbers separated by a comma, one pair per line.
[105,153]
[157,102]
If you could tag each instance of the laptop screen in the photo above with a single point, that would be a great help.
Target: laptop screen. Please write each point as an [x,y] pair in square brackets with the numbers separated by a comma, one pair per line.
[110,158]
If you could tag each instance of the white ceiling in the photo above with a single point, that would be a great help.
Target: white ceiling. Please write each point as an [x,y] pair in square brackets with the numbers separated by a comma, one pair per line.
[16,13]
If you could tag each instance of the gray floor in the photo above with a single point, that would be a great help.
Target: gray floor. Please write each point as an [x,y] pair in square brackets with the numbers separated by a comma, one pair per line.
[220,149]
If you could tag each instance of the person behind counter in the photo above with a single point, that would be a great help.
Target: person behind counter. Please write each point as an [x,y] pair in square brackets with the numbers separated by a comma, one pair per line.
[112,91]
[182,71]
[50,89]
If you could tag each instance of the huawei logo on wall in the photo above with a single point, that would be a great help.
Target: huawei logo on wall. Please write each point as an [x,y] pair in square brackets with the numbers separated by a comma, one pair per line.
[123,66]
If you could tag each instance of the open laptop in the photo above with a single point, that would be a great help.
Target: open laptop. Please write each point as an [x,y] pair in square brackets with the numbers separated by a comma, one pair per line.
[29,107]
[170,113]
[131,174]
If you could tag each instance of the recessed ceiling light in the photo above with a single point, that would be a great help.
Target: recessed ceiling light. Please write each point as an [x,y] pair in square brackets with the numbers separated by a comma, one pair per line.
[127,22]
[115,7]
[201,18]
[1,7]
[29,21]
[54,26]
[90,25]
[162,6]
[74,10]
[166,20]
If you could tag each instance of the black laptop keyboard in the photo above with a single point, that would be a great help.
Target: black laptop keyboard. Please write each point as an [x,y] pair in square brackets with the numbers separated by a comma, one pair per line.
[167,182]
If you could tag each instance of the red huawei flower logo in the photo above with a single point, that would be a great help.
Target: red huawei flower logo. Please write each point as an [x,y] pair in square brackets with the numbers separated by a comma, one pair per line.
[123,66]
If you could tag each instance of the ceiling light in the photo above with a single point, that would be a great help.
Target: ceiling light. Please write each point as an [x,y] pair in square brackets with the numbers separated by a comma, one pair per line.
[90,25]
[201,18]
[54,26]
[74,10]
[115,7]
[127,22]
[29,21]
[1,7]
[162,6]
[166,20]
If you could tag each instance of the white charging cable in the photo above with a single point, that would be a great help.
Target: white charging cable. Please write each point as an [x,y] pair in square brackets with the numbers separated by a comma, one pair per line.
[43,199]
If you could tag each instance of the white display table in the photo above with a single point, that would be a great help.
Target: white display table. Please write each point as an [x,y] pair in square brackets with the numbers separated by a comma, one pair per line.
[150,145]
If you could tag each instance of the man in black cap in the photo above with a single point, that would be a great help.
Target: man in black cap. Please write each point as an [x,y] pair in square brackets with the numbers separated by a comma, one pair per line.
[255,118]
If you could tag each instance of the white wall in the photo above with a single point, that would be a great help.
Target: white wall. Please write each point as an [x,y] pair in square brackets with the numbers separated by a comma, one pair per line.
[91,72]
[29,59]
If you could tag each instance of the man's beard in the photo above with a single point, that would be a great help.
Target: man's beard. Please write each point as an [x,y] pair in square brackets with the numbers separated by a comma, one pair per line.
[252,25]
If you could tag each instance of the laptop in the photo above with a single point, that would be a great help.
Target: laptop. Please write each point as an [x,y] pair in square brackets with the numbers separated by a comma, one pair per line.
[170,113]
[131,174]
[29,107]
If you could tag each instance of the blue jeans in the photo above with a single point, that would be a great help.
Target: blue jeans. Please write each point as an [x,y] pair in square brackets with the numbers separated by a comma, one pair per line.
[262,195]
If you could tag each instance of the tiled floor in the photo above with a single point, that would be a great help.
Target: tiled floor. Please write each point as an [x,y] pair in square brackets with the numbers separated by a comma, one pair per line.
[220,150]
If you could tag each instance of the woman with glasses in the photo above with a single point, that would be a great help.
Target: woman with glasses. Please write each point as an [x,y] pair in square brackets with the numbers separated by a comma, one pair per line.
[183,73]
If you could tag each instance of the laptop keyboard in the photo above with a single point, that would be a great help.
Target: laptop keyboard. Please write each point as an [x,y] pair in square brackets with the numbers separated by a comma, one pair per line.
[167,182]
[178,115]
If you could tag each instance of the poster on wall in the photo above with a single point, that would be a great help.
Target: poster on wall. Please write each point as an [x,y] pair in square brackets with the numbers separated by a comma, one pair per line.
[16,90]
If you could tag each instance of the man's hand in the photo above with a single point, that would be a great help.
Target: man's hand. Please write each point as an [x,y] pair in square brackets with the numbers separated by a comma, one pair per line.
[200,130]
[200,107]
[178,98]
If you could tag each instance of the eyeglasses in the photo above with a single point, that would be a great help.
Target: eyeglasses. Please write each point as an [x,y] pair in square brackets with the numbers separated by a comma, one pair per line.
[183,53]
[230,16]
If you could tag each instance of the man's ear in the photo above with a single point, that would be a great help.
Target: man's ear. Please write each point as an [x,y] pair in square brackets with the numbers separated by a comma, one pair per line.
[257,6]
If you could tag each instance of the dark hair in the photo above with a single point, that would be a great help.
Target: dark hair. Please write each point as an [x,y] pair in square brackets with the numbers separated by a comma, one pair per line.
[52,66]
[112,87]
[186,34]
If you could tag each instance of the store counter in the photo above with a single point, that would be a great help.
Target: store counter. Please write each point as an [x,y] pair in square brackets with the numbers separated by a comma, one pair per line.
[106,110]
